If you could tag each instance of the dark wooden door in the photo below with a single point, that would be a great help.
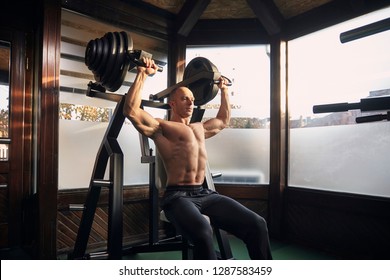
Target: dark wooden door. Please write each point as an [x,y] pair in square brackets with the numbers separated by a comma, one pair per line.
[15,137]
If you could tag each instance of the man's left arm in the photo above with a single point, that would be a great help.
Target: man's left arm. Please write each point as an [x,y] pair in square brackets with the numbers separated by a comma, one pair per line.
[215,125]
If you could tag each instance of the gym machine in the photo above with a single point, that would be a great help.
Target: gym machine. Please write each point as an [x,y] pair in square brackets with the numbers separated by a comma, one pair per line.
[381,103]
[110,58]
[366,104]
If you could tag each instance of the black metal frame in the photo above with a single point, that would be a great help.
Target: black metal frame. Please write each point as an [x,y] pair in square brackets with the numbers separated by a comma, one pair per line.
[109,150]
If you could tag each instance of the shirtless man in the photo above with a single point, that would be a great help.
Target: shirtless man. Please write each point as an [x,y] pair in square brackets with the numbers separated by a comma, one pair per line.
[181,145]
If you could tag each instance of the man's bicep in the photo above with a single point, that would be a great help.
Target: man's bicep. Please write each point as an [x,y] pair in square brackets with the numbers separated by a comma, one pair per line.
[212,127]
[145,123]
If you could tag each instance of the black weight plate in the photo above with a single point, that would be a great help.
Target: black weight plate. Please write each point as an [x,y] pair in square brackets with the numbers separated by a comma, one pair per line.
[125,62]
[112,81]
[203,90]
[95,57]
[99,71]
[111,58]
[128,41]
[90,54]
[98,56]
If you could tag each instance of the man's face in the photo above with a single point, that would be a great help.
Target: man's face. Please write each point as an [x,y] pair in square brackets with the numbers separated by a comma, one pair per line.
[182,102]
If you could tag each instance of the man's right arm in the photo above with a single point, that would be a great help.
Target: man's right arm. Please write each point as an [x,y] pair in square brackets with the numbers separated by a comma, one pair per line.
[142,120]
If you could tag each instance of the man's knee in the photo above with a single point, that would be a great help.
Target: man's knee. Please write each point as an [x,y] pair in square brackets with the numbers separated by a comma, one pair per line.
[203,233]
[259,225]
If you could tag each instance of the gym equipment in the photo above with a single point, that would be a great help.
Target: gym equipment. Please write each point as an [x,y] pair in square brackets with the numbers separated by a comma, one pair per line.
[364,31]
[110,151]
[366,104]
[203,91]
[111,57]
[201,76]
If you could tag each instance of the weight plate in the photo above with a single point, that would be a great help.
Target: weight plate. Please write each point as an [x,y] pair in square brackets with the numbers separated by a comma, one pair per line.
[113,81]
[203,90]
[112,58]
[98,57]
[90,54]
[99,71]
[127,45]
[107,58]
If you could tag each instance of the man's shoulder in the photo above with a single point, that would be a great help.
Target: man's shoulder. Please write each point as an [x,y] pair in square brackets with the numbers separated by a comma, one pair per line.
[160,120]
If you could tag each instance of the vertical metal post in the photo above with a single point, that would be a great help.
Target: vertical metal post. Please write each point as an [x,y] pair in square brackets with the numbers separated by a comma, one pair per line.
[115,217]
[153,201]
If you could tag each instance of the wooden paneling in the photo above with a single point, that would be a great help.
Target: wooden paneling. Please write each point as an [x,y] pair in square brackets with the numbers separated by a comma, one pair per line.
[253,197]
[13,180]
[349,226]
[290,8]
[128,15]
[3,217]
[135,218]
[47,178]
[221,9]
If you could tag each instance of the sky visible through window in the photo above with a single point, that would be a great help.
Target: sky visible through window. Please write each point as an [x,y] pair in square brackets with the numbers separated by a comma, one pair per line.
[322,70]
[248,68]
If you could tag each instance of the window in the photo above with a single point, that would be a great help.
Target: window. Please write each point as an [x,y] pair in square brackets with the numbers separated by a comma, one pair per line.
[5,55]
[331,151]
[241,152]
[83,120]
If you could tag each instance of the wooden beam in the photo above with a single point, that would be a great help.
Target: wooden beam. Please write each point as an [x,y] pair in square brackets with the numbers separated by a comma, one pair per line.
[189,15]
[327,15]
[268,14]
[278,131]
[131,15]
[47,138]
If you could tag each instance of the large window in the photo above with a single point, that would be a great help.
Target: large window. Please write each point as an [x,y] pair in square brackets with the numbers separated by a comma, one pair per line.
[5,57]
[84,120]
[330,150]
[241,152]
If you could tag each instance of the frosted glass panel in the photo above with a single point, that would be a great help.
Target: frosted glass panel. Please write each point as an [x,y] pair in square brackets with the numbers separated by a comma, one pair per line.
[80,142]
[330,150]
[241,155]
[353,158]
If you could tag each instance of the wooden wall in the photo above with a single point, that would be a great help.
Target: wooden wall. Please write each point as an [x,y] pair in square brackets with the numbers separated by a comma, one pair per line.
[348,226]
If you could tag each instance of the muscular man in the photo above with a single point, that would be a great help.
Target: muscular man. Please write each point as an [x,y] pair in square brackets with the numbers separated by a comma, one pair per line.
[181,145]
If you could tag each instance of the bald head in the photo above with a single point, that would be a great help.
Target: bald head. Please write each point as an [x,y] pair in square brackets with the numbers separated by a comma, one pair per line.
[180,91]
[181,101]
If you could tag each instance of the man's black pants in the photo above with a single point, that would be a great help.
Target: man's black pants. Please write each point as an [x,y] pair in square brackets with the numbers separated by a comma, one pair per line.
[184,206]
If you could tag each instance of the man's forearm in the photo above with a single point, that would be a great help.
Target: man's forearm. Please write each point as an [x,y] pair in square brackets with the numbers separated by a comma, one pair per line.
[224,110]
[133,97]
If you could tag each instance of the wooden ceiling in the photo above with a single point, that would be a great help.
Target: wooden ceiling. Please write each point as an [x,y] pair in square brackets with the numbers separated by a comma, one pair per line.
[224,21]
[239,9]
[272,16]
